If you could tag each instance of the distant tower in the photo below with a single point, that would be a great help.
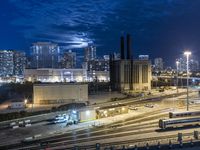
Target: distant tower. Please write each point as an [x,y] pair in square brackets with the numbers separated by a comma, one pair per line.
[19,59]
[158,62]
[45,55]
[90,53]
[68,60]
[6,63]
[12,63]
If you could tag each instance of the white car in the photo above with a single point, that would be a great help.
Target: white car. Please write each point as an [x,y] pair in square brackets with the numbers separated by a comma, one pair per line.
[60,120]
[149,105]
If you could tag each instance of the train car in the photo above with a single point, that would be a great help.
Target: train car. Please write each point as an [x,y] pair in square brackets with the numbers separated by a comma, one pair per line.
[184,114]
[178,122]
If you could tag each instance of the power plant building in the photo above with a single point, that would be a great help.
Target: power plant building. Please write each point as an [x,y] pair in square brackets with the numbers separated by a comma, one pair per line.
[127,74]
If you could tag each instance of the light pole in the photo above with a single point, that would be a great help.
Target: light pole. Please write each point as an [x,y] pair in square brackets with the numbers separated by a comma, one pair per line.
[25,102]
[177,63]
[187,54]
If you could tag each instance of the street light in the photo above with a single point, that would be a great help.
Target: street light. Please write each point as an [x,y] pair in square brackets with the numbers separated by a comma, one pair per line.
[187,54]
[177,63]
[25,101]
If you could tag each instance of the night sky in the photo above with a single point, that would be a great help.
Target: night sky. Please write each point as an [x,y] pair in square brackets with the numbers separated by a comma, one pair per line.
[160,28]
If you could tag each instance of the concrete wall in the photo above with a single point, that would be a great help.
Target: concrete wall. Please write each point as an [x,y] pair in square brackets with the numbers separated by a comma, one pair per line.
[60,93]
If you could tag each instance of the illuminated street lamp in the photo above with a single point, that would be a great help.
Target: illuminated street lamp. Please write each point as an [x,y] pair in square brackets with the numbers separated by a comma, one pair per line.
[177,63]
[187,54]
[25,102]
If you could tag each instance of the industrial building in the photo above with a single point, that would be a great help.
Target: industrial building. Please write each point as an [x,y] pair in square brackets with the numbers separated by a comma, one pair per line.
[58,93]
[127,74]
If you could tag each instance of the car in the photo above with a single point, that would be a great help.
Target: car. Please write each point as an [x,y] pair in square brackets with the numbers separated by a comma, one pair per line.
[133,108]
[60,121]
[59,117]
[149,105]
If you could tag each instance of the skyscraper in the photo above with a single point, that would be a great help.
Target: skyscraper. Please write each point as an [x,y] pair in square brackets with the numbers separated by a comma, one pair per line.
[68,60]
[90,53]
[45,55]
[159,65]
[6,63]
[19,60]
[182,64]
[194,65]
[12,63]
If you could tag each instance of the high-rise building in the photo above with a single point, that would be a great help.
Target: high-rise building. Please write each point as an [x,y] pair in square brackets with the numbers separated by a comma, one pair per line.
[159,65]
[45,55]
[68,60]
[182,66]
[19,59]
[194,65]
[12,63]
[6,63]
[90,53]
[98,65]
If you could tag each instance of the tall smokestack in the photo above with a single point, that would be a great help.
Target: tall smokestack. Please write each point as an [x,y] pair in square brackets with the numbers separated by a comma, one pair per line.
[122,47]
[129,55]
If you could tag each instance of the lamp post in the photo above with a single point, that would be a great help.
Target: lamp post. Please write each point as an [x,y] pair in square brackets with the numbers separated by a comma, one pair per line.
[177,63]
[187,54]
[25,102]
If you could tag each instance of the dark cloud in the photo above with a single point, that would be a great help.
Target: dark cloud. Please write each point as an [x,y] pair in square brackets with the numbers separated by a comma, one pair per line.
[157,26]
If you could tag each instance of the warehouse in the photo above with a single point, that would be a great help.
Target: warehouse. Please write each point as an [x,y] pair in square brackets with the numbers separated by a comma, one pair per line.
[60,93]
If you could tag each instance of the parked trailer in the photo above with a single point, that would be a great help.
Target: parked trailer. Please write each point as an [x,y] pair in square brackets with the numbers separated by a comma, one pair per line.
[184,114]
[178,122]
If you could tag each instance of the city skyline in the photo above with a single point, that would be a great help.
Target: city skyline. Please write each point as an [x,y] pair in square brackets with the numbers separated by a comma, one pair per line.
[112,75]
[159,29]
